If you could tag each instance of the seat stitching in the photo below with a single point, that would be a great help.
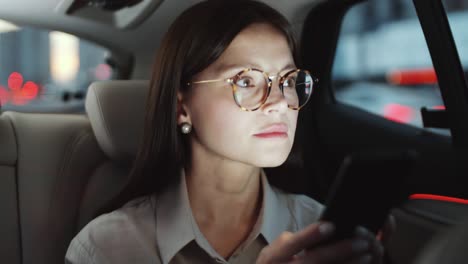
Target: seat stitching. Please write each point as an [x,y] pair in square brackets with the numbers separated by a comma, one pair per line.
[101,114]
[18,211]
[70,149]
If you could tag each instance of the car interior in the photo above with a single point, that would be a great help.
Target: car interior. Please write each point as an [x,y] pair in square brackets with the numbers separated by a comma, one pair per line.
[62,160]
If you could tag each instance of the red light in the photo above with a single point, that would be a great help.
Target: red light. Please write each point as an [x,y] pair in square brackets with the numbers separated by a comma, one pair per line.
[412,77]
[15,81]
[439,107]
[103,72]
[19,94]
[18,100]
[437,198]
[399,113]
[4,96]
[29,91]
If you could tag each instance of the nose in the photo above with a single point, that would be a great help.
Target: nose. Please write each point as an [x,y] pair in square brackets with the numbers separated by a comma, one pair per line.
[275,101]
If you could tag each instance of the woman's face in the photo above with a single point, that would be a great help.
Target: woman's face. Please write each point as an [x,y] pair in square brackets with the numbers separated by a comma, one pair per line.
[261,138]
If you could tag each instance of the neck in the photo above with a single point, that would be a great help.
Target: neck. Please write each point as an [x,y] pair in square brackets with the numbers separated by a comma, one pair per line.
[225,197]
[217,196]
[223,192]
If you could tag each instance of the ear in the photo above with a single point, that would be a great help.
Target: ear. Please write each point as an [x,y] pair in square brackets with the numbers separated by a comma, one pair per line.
[182,110]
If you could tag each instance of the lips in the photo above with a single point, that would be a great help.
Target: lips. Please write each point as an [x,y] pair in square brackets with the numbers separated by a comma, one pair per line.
[276,130]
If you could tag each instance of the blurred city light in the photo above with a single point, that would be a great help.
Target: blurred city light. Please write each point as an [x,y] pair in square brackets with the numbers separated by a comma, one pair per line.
[6,26]
[64,57]
[399,113]
[103,72]
[15,81]
[17,93]
[412,77]
[4,96]
[439,107]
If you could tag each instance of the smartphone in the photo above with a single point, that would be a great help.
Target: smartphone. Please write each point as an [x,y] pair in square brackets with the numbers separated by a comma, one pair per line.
[368,185]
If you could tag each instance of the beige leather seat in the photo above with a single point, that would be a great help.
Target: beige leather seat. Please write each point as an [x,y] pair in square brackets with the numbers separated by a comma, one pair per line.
[9,221]
[56,170]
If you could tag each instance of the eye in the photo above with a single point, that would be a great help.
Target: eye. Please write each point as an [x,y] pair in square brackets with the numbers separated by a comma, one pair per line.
[245,82]
[289,83]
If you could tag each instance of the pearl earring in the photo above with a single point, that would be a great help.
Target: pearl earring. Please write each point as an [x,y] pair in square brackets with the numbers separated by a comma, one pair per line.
[186,128]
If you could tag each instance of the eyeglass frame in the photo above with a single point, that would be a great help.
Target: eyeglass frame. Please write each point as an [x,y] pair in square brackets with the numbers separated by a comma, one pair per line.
[269,78]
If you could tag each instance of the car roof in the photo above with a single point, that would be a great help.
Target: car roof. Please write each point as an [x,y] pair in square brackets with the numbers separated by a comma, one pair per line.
[50,14]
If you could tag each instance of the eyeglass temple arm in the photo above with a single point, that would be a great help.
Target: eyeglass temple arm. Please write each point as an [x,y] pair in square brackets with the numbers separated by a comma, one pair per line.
[206,81]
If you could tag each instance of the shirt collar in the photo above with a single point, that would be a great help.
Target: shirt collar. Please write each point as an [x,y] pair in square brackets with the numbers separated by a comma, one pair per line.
[176,226]
[173,220]
[275,215]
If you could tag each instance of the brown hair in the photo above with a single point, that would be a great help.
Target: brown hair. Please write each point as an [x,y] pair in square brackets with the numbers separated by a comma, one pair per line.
[194,41]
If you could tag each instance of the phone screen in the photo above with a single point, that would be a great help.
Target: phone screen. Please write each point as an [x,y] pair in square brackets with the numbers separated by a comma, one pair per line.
[366,188]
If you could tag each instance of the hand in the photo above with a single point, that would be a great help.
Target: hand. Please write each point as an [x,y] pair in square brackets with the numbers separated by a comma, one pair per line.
[384,236]
[306,246]
[388,229]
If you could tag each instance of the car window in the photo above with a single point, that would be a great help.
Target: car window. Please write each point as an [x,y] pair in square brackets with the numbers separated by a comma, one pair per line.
[457,12]
[383,65]
[47,71]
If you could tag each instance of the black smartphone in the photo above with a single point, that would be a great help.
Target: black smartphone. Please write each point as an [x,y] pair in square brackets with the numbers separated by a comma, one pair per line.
[366,188]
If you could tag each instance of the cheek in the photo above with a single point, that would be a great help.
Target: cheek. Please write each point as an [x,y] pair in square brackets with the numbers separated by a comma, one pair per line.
[218,121]
[220,124]
[292,117]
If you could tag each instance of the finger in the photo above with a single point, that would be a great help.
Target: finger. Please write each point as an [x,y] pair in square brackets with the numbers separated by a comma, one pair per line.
[287,244]
[388,229]
[267,254]
[376,247]
[339,252]
[377,250]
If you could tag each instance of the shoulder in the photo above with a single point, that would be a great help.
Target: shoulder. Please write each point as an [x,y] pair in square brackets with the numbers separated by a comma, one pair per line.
[302,208]
[127,233]
[135,218]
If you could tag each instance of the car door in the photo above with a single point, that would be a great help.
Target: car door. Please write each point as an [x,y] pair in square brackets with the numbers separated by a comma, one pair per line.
[365,74]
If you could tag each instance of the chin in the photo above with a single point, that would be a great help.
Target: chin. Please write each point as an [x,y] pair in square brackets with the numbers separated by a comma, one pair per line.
[271,161]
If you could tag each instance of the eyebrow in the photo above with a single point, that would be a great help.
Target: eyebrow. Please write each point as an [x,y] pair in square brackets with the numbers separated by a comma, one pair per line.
[226,67]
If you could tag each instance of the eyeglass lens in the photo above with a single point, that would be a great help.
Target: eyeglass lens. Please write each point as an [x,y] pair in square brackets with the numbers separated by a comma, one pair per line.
[251,88]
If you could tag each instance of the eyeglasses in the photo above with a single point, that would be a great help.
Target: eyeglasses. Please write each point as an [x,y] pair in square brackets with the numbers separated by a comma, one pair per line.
[251,87]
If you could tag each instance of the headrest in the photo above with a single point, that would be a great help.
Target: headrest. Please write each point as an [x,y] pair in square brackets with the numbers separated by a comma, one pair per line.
[8,149]
[116,110]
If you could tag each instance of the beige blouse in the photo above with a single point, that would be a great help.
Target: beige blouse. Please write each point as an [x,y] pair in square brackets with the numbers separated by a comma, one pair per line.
[162,229]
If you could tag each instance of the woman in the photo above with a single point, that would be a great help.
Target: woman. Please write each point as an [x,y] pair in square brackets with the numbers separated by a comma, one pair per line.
[224,100]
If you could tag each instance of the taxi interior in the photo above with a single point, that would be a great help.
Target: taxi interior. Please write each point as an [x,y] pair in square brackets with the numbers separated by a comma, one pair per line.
[71,117]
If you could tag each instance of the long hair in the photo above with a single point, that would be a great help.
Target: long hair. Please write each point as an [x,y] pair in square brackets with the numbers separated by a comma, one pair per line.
[195,40]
